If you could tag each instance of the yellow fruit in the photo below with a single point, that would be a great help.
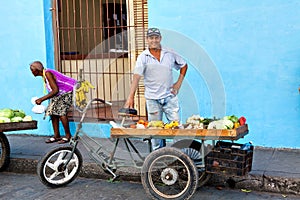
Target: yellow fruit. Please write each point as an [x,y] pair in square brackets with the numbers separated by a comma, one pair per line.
[157,124]
[168,126]
[141,121]
[236,125]
[175,123]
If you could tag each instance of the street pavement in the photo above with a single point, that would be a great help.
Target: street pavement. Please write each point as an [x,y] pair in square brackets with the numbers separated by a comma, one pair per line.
[273,169]
[16,186]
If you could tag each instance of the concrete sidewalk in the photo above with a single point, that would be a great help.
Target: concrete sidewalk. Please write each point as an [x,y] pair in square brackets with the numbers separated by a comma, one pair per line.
[273,170]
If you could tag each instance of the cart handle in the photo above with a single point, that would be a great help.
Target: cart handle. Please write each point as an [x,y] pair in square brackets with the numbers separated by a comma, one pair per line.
[102,101]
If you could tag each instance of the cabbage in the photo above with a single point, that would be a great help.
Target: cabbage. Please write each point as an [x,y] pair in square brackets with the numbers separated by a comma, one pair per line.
[232,118]
[221,124]
[6,112]
[27,118]
[16,119]
[11,115]
[4,119]
[19,113]
[228,124]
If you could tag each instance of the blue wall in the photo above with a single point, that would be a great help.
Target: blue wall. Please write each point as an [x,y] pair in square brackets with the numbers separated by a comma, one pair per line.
[27,36]
[22,41]
[49,34]
[253,47]
[243,59]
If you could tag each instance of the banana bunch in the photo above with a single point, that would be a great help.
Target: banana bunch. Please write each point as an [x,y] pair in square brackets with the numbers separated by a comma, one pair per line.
[172,124]
[81,100]
[155,124]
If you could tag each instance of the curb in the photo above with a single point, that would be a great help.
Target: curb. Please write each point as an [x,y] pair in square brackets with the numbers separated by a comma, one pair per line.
[251,181]
[88,170]
[258,182]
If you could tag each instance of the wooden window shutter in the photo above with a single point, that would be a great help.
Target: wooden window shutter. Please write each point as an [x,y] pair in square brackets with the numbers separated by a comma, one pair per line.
[138,11]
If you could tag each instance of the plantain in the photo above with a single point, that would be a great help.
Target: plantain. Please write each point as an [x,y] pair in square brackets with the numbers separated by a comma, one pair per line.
[81,99]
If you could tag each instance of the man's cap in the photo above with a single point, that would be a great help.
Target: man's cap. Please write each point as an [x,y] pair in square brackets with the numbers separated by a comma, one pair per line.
[153,32]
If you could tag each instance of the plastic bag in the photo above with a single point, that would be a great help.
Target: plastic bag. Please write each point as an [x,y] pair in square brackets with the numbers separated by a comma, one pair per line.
[38,109]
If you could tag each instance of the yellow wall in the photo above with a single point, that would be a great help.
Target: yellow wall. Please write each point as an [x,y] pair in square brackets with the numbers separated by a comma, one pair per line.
[112,76]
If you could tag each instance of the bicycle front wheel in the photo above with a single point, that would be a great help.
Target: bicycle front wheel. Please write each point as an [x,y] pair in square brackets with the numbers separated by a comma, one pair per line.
[53,170]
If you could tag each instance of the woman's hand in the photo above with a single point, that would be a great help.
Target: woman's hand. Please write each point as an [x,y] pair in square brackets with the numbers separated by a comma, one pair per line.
[38,101]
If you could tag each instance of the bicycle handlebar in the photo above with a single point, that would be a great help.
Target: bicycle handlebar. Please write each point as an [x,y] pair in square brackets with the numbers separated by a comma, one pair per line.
[102,101]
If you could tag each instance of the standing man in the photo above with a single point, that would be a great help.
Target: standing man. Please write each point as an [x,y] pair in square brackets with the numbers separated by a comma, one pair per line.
[60,90]
[156,64]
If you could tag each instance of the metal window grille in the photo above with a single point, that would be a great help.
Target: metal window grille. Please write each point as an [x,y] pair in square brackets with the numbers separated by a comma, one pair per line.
[101,38]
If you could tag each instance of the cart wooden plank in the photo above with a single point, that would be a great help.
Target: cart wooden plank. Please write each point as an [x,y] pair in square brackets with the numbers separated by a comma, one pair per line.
[15,126]
[211,134]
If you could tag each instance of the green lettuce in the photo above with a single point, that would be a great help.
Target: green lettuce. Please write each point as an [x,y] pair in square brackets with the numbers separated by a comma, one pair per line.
[16,119]
[6,112]
[4,119]
[27,118]
[19,113]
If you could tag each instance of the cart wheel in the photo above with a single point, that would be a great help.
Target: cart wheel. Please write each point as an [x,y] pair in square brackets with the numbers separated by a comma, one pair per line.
[192,148]
[4,152]
[167,173]
[51,169]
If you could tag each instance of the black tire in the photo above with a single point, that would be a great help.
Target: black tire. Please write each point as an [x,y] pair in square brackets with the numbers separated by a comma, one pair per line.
[50,168]
[193,149]
[167,173]
[4,152]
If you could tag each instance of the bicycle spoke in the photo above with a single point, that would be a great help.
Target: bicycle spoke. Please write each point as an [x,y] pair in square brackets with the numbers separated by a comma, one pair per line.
[55,174]
[50,165]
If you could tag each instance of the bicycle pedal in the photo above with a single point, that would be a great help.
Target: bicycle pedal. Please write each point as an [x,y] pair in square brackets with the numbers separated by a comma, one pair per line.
[114,178]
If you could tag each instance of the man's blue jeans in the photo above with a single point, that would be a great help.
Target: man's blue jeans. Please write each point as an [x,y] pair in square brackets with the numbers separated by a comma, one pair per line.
[156,108]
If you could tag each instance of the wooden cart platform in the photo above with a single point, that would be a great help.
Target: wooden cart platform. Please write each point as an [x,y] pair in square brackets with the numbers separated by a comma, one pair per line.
[203,134]
[15,126]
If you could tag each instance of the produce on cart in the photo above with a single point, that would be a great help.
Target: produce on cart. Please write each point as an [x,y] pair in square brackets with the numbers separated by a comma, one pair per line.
[12,120]
[13,115]
[194,122]
[227,128]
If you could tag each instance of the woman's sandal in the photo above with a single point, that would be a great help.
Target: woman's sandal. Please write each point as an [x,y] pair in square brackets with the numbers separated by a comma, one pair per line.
[63,140]
[52,140]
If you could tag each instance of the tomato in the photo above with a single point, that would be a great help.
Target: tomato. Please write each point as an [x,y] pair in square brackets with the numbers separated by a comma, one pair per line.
[242,120]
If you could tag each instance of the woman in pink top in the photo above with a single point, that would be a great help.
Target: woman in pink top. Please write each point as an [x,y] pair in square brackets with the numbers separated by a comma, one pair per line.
[60,90]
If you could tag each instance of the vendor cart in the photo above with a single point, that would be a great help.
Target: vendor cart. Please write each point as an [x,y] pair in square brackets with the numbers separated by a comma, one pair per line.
[172,172]
[224,158]
[4,144]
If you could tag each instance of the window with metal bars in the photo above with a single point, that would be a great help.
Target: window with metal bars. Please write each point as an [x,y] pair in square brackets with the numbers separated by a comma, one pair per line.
[101,39]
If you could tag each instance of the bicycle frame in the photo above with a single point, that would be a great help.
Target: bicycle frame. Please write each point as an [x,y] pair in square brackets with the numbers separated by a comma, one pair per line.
[104,158]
